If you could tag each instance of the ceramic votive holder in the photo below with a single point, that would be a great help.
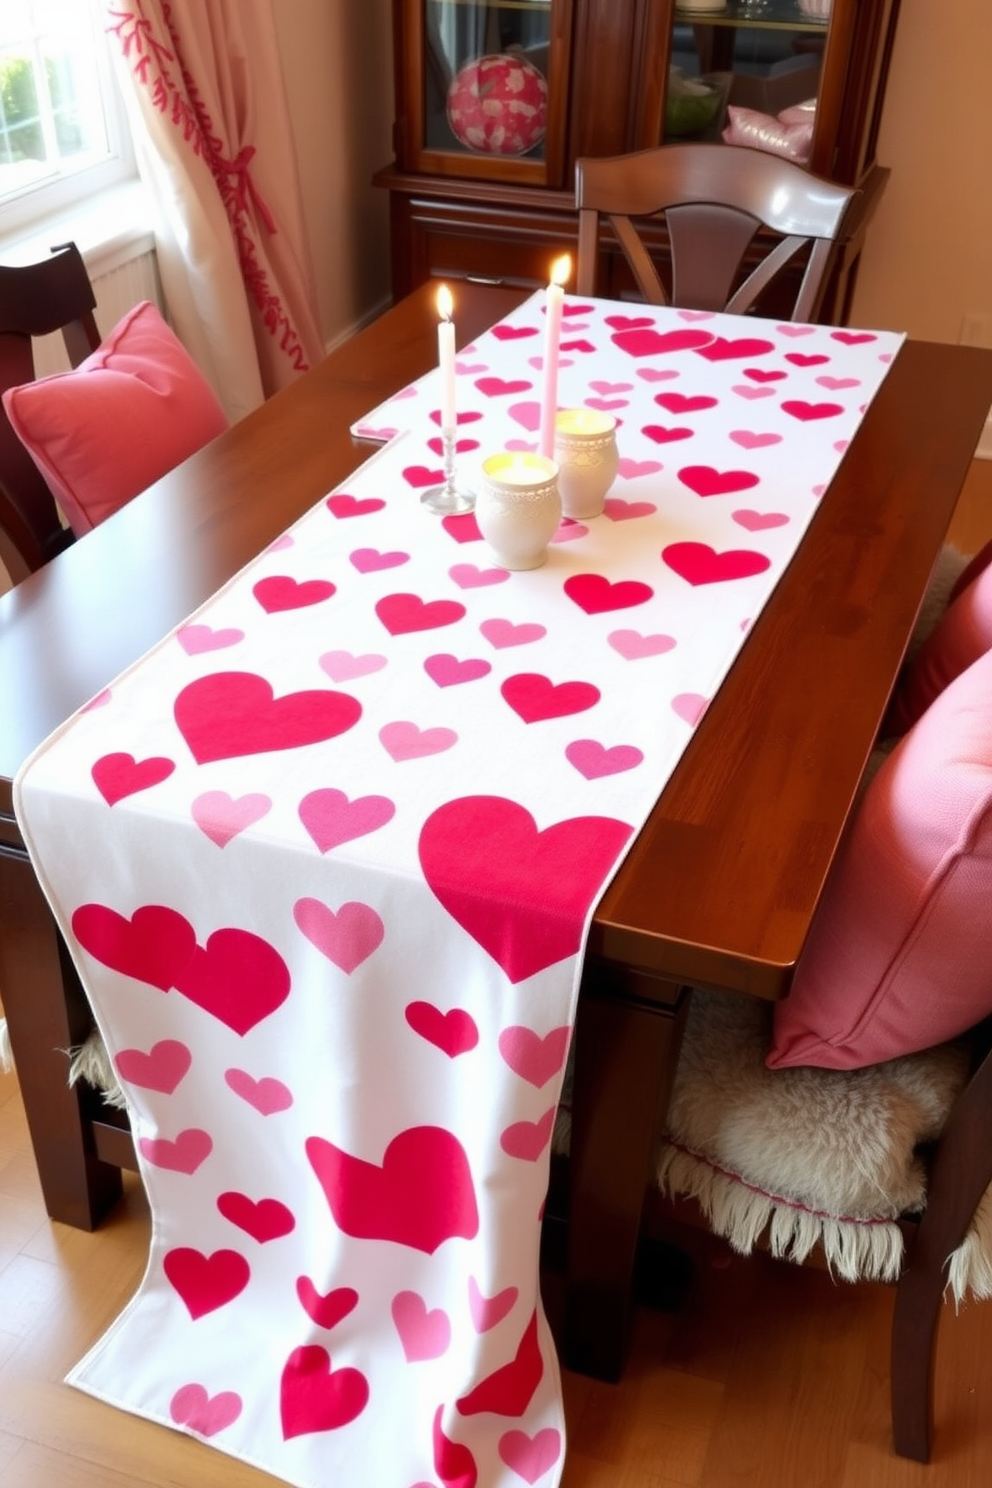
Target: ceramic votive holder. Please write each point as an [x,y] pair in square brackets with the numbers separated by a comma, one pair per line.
[587,458]
[517,507]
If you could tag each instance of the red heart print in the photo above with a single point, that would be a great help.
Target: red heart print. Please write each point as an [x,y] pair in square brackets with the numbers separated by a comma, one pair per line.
[370,560]
[454,1032]
[347,938]
[462,446]
[447,671]
[267,1096]
[633,646]
[204,1414]
[352,506]
[698,563]
[526,1140]
[595,760]
[619,510]
[419,476]
[799,359]
[196,639]
[535,698]
[683,403]
[798,408]
[187,1152]
[281,592]
[509,1390]
[706,480]
[462,527]
[453,1462]
[331,818]
[488,1311]
[527,415]
[463,416]
[153,946]
[513,333]
[534,1058]
[206,1282]
[595,593]
[314,1397]
[521,894]
[262,1219]
[757,374]
[227,714]
[424,1333]
[503,633]
[641,341]
[628,322]
[723,348]
[570,311]
[662,435]
[222,817]
[325,1309]
[853,338]
[403,740]
[753,521]
[236,977]
[421,1196]
[499,387]
[119,775]
[343,666]
[530,1457]
[403,613]
[162,1068]
[470,576]
[580,345]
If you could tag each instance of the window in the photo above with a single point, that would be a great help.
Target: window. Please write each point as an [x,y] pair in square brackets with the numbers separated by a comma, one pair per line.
[62,130]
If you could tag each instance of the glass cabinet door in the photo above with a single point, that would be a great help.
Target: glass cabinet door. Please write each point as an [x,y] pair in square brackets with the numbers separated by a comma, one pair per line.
[483,93]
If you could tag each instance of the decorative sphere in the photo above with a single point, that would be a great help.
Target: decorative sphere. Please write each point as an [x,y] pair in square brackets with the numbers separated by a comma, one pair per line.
[498,105]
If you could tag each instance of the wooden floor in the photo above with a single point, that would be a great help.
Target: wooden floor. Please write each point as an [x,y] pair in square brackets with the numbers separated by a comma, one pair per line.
[769,1376]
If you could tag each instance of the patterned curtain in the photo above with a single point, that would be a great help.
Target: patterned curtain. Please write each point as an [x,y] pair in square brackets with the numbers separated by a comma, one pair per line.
[207,106]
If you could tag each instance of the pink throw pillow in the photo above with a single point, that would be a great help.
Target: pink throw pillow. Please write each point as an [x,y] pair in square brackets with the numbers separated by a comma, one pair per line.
[758,131]
[124,417]
[900,953]
[963,633]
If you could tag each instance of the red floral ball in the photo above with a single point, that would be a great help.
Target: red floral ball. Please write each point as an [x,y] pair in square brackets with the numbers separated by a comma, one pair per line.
[498,105]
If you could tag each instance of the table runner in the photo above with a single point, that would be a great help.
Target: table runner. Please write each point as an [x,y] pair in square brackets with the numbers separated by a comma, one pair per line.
[326,859]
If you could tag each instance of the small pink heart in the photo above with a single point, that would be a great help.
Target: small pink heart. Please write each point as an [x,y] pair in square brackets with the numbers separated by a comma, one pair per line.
[447,671]
[693,315]
[619,510]
[818,490]
[529,445]
[204,1414]
[537,362]
[690,706]
[267,1095]
[657,374]
[749,439]
[594,760]
[222,817]
[743,390]
[527,415]
[534,1058]
[526,1140]
[382,434]
[607,405]
[631,469]
[162,1068]
[794,330]
[503,633]
[633,646]
[754,521]
[287,540]
[837,384]
[344,666]
[423,1333]
[605,388]
[370,560]
[403,740]
[488,1311]
[195,639]
[347,937]
[530,1457]
[187,1152]
[568,531]
[469,576]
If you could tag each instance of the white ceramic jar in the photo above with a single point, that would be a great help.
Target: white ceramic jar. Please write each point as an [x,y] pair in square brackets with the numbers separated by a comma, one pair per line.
[587,458]
[518,508]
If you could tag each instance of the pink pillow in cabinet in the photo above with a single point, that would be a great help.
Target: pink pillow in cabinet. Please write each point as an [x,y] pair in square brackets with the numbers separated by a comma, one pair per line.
[124,417]
[963,633]
[900,953]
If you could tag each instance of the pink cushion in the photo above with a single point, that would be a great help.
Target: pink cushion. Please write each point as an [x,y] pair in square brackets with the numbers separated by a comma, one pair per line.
[128,414]
[900,954]
[963,633]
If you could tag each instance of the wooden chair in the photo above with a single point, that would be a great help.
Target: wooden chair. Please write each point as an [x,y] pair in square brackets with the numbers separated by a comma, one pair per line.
[713,202]
[36,299]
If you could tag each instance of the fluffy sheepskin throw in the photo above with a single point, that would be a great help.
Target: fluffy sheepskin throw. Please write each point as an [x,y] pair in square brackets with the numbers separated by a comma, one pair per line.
[815,1157]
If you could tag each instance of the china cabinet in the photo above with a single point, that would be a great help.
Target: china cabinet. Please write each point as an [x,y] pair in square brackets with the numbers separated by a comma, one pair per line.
[494,102]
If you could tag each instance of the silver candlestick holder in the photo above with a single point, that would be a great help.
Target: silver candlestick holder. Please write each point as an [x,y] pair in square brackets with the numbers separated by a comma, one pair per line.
[449,498]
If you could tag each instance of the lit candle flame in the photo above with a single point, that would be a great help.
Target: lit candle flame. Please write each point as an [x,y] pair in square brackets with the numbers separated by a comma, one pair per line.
[561,269]
[445,304]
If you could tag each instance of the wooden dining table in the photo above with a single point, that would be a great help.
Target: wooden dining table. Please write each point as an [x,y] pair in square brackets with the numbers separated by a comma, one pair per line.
[722,884]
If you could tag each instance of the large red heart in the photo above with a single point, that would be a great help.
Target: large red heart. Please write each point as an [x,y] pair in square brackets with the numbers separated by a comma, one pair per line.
[509,1390]
[226,714]
[237,977]
[596,594]
[266,1219]
[706,480]
[453,1462]
[641,341]
[722,349]
[315,1397]
[153,946]
[402,613]
[421,1196]
[521,894]
[206,1282]
[118,775]
[698,563]
[534,697]
[282,592]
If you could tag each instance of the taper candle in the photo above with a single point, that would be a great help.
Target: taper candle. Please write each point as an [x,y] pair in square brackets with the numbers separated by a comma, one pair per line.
[553,309]
[446,357]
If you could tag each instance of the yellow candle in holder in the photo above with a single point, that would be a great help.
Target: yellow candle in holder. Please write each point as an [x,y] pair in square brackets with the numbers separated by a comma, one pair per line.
[517,507]
[588,461]
[584,421]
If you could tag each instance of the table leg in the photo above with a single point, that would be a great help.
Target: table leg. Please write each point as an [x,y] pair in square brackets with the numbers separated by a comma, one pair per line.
[47,1014]
[626,1051]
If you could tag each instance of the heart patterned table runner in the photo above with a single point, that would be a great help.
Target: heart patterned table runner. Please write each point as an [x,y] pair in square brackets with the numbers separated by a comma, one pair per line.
[326,859]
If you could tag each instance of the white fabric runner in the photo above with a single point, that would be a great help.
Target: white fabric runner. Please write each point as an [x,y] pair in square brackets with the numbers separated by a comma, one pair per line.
[326,858]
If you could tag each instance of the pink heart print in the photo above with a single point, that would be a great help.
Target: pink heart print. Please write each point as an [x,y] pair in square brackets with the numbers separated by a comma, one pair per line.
[530,1457]
[225,715]
[690,706]
[281,592]
[619,510]
[422,1194]
[521,893]
[698,563]
[325,1309]
[371,560]
[454,1032]
[204,1414]
[206,1282]
[162,1068]
[488,1311]
[526,1140]
[527,415]
[182,1154]
[463,416]
[424,1333]
[447,671]
[117,776]
[535,1058]
[342,666]
[633,646]
[316,1397]
[347,937]
[403,740]
[535,698]
[222,817]
[631,469]
[598,595]
[569,531]
[754,521]
[595,760]
[262,1219]
[330,818]
[196,639]
[754,439]
[267,1095]
[470,576]
[503,633]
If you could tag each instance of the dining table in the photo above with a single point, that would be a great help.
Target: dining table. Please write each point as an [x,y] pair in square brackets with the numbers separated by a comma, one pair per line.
[717,886]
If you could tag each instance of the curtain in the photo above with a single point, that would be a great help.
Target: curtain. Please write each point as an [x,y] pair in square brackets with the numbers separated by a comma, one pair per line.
[207,105]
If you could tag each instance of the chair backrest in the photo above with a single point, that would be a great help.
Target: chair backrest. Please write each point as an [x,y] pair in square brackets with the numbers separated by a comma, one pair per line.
[36,299]
[713,200]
